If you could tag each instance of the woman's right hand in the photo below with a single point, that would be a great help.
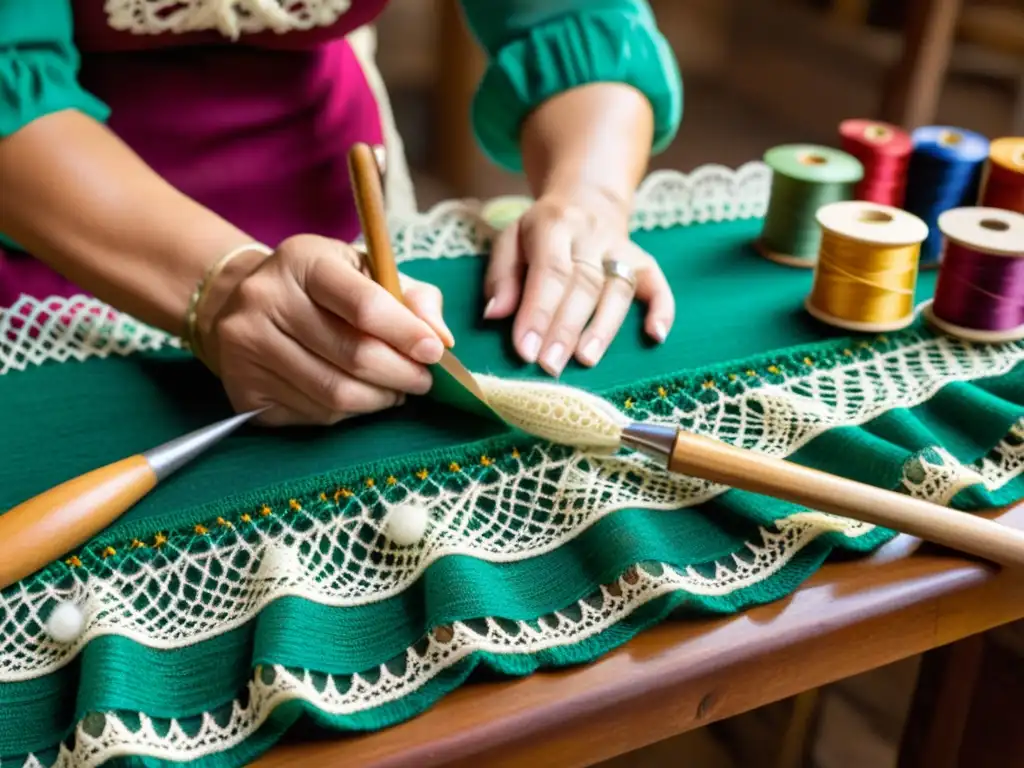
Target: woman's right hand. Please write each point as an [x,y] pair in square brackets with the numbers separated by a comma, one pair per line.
[310,336]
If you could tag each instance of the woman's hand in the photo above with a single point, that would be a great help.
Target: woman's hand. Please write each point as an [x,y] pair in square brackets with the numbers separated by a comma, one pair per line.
[309,335]
[565,269]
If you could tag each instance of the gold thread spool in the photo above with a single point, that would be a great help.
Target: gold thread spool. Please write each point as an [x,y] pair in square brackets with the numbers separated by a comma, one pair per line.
[866,272]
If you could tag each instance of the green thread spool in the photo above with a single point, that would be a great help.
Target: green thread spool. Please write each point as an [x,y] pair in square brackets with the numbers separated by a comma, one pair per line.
[805,178]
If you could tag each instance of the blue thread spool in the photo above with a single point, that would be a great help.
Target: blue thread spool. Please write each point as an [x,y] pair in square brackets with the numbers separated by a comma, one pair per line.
[944,173]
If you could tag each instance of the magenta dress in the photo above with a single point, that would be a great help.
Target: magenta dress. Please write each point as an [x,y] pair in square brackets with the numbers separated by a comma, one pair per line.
[257,131]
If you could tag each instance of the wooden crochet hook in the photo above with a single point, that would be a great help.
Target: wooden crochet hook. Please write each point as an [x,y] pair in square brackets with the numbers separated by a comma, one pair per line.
[38,531]
[718,462]
[453,383]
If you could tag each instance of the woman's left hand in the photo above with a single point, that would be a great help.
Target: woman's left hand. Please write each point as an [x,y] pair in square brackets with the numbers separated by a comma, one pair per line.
[570,273]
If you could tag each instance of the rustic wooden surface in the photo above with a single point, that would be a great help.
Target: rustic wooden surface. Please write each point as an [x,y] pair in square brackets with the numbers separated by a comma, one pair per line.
[849,618]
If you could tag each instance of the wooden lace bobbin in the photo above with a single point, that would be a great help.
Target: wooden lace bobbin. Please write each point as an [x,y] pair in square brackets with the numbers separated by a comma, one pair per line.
[979,295]
[502,212]
[805,177]
[1002,185]
[866,273]
[884,151]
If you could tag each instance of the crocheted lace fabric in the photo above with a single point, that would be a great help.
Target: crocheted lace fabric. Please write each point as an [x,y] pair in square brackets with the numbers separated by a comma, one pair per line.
[200,604]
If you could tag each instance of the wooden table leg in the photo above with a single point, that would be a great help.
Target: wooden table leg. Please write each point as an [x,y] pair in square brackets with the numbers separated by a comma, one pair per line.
[911,98]
[966,710]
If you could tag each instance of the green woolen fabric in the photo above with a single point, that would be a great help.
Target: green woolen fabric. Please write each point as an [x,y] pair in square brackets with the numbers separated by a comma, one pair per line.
[738,314]
[732,305]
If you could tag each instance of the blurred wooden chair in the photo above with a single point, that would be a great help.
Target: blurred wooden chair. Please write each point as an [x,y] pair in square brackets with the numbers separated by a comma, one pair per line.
[912,96]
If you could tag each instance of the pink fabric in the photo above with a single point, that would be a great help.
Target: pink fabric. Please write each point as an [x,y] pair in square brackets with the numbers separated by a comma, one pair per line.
[258,131]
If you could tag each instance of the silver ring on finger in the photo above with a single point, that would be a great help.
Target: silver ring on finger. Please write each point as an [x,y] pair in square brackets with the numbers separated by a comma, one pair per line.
[613,268]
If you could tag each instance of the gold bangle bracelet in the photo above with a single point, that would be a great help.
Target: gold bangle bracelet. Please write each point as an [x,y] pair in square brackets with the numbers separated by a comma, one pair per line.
[191,335]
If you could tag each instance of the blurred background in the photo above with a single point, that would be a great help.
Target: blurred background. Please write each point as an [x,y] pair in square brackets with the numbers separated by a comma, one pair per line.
[757,73]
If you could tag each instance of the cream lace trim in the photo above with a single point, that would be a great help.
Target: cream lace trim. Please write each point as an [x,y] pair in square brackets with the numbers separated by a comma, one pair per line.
[232,18]
[108,735]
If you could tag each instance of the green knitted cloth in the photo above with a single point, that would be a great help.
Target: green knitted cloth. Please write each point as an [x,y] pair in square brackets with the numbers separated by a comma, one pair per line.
[259,587]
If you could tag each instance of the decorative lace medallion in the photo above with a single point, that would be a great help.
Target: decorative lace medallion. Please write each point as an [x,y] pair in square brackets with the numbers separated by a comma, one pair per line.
[232,18]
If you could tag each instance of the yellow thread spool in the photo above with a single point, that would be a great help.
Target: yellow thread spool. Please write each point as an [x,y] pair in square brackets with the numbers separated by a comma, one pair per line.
[866,272]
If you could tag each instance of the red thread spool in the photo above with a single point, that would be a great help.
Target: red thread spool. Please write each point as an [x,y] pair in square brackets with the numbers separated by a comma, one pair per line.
[884,151]
[1003,186]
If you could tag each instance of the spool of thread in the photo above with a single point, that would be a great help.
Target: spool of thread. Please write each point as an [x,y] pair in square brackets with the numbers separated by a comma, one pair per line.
[944,173]
[884,151]
[979,295]
[866,273]
[805,177]
[1003,183]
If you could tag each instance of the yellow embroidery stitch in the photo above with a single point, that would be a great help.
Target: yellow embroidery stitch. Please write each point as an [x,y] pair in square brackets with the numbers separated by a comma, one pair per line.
[73,561]
[136,544]
[109,552]
[200,529]
[159,540]
[294,504]
[454,467]
[423,474]
[392,480]
[224,523]
[246,518]
[265,510]
[486,461]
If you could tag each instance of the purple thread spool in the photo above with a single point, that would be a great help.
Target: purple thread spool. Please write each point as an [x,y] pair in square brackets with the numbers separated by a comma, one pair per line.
[979,295]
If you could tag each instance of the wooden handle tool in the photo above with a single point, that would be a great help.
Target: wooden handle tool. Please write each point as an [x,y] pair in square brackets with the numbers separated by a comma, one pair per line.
[38,531]
[453,383]
[718,462]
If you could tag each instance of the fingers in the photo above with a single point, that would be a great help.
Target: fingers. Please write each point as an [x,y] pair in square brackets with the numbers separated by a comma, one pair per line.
[330,389]
[616,300]
[548,250]
[576,308]
[362,356]
[504,278]
[332,284]
[427,303]
[653,289]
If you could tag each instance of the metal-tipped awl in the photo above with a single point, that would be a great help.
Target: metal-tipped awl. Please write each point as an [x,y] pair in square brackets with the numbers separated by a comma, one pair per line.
[38,531]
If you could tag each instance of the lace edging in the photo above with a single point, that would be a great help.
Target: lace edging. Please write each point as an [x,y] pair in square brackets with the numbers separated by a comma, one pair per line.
[665,199]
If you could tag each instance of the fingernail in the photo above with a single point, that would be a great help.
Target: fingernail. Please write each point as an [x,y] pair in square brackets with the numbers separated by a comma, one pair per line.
[660,331]
[591,352]
[531,346]
[554,359]
[427,351]
[489,308]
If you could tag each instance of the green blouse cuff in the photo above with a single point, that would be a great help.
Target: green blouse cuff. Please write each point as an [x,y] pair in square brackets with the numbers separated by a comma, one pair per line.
[610,45]
[39,64]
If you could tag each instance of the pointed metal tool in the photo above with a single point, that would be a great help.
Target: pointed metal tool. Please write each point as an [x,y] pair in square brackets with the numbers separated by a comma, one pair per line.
[38,531]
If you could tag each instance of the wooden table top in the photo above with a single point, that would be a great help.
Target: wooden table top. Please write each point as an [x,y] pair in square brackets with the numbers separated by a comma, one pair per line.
[849,618]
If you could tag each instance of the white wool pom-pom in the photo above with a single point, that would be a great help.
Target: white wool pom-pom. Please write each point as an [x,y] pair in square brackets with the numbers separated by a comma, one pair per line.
[65,623]
[407,524]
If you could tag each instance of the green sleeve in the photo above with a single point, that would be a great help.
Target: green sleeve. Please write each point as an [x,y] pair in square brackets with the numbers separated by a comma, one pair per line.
[39,64]
[539,48]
